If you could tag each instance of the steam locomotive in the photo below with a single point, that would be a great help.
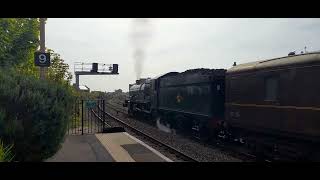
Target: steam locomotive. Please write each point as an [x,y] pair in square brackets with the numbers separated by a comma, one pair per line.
[272,105]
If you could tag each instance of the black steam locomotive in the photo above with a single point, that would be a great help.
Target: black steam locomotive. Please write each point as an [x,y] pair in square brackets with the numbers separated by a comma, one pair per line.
[272,104]
[192,100]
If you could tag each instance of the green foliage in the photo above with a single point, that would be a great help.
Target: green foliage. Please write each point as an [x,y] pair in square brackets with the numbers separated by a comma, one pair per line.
[58,70]
[95,94]
[34,114]
[5,153]
[19,38]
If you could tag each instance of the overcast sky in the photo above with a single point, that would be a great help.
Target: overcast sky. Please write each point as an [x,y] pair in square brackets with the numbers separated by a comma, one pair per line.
[176,44]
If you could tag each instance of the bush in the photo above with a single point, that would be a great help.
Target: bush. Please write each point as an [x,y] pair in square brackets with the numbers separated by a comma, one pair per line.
[33,115]
[5,153]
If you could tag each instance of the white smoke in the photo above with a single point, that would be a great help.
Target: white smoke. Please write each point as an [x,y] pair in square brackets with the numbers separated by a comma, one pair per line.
[140,36]
[164,127]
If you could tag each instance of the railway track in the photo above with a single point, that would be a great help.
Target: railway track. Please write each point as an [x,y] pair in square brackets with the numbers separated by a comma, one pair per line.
[238,152]
[177,153]
[113,107]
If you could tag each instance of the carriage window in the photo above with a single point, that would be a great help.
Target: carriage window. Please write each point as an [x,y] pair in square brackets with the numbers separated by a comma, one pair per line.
[271,89]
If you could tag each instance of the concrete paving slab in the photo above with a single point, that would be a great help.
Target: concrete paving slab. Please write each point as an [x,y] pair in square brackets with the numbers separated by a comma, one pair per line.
[82,148]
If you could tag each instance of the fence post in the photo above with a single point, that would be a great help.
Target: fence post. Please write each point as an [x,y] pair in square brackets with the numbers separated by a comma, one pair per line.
[82,117]
[103,114]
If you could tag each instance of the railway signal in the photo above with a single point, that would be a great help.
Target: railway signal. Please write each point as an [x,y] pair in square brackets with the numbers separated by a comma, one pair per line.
[94,69]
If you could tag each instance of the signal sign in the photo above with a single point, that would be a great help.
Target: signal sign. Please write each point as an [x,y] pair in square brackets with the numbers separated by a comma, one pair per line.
[115,68]
[91,104]
[42,59]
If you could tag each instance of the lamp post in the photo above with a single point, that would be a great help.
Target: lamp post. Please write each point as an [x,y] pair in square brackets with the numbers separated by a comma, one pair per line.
[42,46]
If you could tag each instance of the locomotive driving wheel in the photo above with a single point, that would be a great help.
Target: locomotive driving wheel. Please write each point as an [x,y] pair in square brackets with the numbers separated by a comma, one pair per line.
[130,111]
[313,154]
[154,116]
[200,131]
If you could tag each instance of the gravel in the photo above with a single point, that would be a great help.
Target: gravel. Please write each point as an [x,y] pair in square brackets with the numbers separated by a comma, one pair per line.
[197,150]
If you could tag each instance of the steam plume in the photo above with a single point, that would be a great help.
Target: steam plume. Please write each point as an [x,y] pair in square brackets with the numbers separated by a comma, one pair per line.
[140,36]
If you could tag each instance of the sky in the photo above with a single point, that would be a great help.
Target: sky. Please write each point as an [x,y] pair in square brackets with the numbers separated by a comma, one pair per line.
[175,44]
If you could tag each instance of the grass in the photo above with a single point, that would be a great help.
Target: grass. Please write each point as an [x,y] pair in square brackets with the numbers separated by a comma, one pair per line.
[5,153]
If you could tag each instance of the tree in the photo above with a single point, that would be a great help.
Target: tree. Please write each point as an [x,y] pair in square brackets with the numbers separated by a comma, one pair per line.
[19,39]
[118,91]
[58,70]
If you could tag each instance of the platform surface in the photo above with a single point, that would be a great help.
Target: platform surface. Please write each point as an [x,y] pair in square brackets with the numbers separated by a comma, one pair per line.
[107,147]
[78,148]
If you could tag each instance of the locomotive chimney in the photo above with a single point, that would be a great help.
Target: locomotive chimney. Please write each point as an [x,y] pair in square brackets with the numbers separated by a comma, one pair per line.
[292,53]
[140,81]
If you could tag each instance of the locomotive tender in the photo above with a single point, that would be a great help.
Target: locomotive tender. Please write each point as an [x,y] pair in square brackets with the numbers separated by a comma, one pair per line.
[268,103]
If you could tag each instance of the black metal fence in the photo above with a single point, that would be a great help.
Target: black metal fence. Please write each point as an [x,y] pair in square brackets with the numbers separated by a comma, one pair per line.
[87,118]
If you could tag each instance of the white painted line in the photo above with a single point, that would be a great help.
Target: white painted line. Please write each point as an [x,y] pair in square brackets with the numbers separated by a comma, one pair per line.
[150,148]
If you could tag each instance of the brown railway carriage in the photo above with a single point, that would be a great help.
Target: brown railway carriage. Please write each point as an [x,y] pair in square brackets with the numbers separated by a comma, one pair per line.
[279,96]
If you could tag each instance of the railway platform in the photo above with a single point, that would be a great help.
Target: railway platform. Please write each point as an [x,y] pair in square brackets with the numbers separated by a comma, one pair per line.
[106,147]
